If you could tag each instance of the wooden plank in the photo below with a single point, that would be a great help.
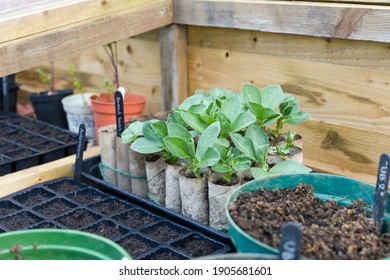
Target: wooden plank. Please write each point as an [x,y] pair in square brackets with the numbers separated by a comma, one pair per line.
[342,94]
[323,167]
[22,179]
[68,40]
[173,42]
[363,54]
[28,19]
[334,20]
[349,150]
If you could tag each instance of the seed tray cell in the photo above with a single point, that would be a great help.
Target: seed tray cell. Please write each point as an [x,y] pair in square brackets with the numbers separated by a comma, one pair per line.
[78,219]
[108,229]
[145,229]
[7,207]
[87,196]
[55,207]
[137,245]
[29,142]
[5,165]
[165,253]
[33,196]
[19,221]
[110,206]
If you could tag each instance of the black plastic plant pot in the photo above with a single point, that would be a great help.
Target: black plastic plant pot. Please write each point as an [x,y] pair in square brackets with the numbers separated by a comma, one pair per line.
[27,142]
[48,108]
[12,97]
[144,229]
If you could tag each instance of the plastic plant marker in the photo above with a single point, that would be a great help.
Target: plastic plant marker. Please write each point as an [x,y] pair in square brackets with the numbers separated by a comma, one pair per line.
[79,154]
[119,110]
[381,188]
[290,241]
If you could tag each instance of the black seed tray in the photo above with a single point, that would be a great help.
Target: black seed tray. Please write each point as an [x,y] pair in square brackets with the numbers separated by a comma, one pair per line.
[25,142]
[145,229]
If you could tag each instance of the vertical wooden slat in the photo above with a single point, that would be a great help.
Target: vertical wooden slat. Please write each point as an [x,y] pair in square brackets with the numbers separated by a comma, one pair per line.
[173,47]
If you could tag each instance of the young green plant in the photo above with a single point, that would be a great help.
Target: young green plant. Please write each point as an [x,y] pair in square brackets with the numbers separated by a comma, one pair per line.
[255,145]
[180,143]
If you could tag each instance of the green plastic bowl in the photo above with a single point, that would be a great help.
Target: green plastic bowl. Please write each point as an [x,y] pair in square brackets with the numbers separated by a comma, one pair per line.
[58,244]
[326,186]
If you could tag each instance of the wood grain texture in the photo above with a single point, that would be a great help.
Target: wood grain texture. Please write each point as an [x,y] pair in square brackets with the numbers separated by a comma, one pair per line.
[348,149]
[28,52]
[28,19]
[173,52]
[346,21]
[28,177]
[346,95]
[363,54]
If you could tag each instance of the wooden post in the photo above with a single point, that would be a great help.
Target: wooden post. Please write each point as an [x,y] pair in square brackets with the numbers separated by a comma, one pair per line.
[173,52]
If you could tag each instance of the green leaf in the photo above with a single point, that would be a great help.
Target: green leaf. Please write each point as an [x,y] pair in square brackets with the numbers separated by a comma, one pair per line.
[177,130]
[197,121]
[198,108]
[259,173]
[231,107]
[271,96]
[144,146]
[261,154]
[221,167]
[152,135]
[223,142]
[192,100]
[241,163]
[244,144]
[269,117]
[207,139]
[257,136]
[297,118]
[251,93]
[289,167]
[210,157]
[132,132]
[243,120]
[177,146]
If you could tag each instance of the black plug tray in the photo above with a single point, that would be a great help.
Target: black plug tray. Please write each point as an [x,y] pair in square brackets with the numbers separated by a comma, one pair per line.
[25,142]
[145,229]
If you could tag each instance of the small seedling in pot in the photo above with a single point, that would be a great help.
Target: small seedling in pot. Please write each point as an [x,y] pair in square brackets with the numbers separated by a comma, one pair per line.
[48,78]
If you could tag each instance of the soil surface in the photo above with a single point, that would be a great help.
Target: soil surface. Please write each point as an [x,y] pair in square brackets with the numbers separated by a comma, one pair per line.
[135,246]
[330,231]
[77,219]
[163,233]
[163,255]
[64,187]
[135,219]
[106,229]
[109,207]
[54,208]
[195,246]
[19,221]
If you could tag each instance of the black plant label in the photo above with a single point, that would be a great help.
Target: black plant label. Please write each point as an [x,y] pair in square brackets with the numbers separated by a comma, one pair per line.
[290,241]
[120,118]
[382,184]
[79,154]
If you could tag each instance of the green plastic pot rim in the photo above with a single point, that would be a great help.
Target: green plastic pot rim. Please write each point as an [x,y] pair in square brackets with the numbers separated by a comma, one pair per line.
[256,185]
[63,247]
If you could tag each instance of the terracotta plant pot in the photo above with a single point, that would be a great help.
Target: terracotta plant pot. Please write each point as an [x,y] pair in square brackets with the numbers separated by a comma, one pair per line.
[104,110]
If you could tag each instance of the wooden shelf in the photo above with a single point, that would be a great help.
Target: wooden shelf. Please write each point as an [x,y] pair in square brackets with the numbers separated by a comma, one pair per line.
[53,29]
[28,177]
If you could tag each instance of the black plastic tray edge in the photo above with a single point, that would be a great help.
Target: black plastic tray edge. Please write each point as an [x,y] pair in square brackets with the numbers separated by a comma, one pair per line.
[98,182]
[68,148]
